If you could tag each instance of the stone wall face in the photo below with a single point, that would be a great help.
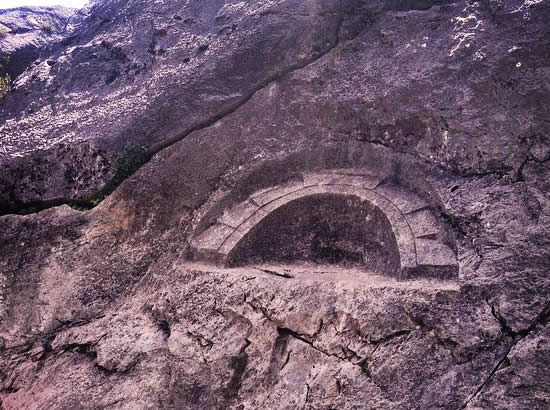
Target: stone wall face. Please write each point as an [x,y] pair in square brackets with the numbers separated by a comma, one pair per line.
[151,139]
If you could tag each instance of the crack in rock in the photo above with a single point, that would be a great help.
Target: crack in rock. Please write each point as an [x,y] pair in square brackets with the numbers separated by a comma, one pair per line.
[543,318]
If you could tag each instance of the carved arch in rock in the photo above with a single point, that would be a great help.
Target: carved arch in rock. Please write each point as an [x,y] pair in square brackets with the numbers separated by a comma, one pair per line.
[422,250]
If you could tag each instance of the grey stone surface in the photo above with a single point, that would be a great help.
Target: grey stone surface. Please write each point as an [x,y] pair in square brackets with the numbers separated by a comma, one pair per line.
[404,199]
[238,214]
[213,238]
[424,223]
[268,195]
[131,78]
[433,253]
[446,99]
[28,33]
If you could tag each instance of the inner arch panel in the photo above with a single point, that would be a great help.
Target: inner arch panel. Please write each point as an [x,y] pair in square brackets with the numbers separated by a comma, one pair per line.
[323,229]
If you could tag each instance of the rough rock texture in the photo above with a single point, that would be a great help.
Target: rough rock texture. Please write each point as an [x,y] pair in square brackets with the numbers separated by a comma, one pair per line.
[27,32]
[210,103]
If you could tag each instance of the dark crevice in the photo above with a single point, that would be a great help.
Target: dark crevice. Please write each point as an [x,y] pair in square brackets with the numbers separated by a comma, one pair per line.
[260,309]
[238,364]
[164,326]
[31,207]
[505,329]
[88,350]
[85,349]
[68,324]
[203,342]
[8,390]
[274,273]
[308,389]
[286,360]
[39,348]
[217,310]
[487,380]
[277,353]
[46,339]
[464,173]
[364,365]
[284,331]
[161,321]
[338,384]
[519,173]
[458,223]
[348,355]
[542,318]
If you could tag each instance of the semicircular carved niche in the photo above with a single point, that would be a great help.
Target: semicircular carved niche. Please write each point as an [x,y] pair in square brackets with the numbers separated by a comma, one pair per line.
[333,217]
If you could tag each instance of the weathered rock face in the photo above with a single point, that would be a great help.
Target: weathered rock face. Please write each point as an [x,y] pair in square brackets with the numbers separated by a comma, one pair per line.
[28,31]
[430,117]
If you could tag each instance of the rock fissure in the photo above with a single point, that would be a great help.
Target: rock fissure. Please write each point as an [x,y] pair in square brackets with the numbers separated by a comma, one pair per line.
[306,400]
[348,355]
[505,329]
[204,343]
[284,364]
[261,309]
[542,318]
[486,380]
[274,273]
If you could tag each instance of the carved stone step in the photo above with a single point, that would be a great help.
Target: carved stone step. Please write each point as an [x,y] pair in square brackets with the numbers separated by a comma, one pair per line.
[435,259]
[434,253]
[423,223]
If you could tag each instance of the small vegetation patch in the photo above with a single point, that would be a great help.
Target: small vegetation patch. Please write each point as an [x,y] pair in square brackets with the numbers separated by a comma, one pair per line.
[129,160]
[48,28]
[5,83]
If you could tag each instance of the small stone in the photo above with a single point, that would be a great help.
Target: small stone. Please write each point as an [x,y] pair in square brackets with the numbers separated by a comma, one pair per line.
[540,151]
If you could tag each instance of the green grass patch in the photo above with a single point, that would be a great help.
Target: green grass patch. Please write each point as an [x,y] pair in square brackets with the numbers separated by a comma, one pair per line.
[5,83]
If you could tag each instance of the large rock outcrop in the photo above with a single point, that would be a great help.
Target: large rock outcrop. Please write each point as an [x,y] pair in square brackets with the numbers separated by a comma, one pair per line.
[183,119]
[27,32]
